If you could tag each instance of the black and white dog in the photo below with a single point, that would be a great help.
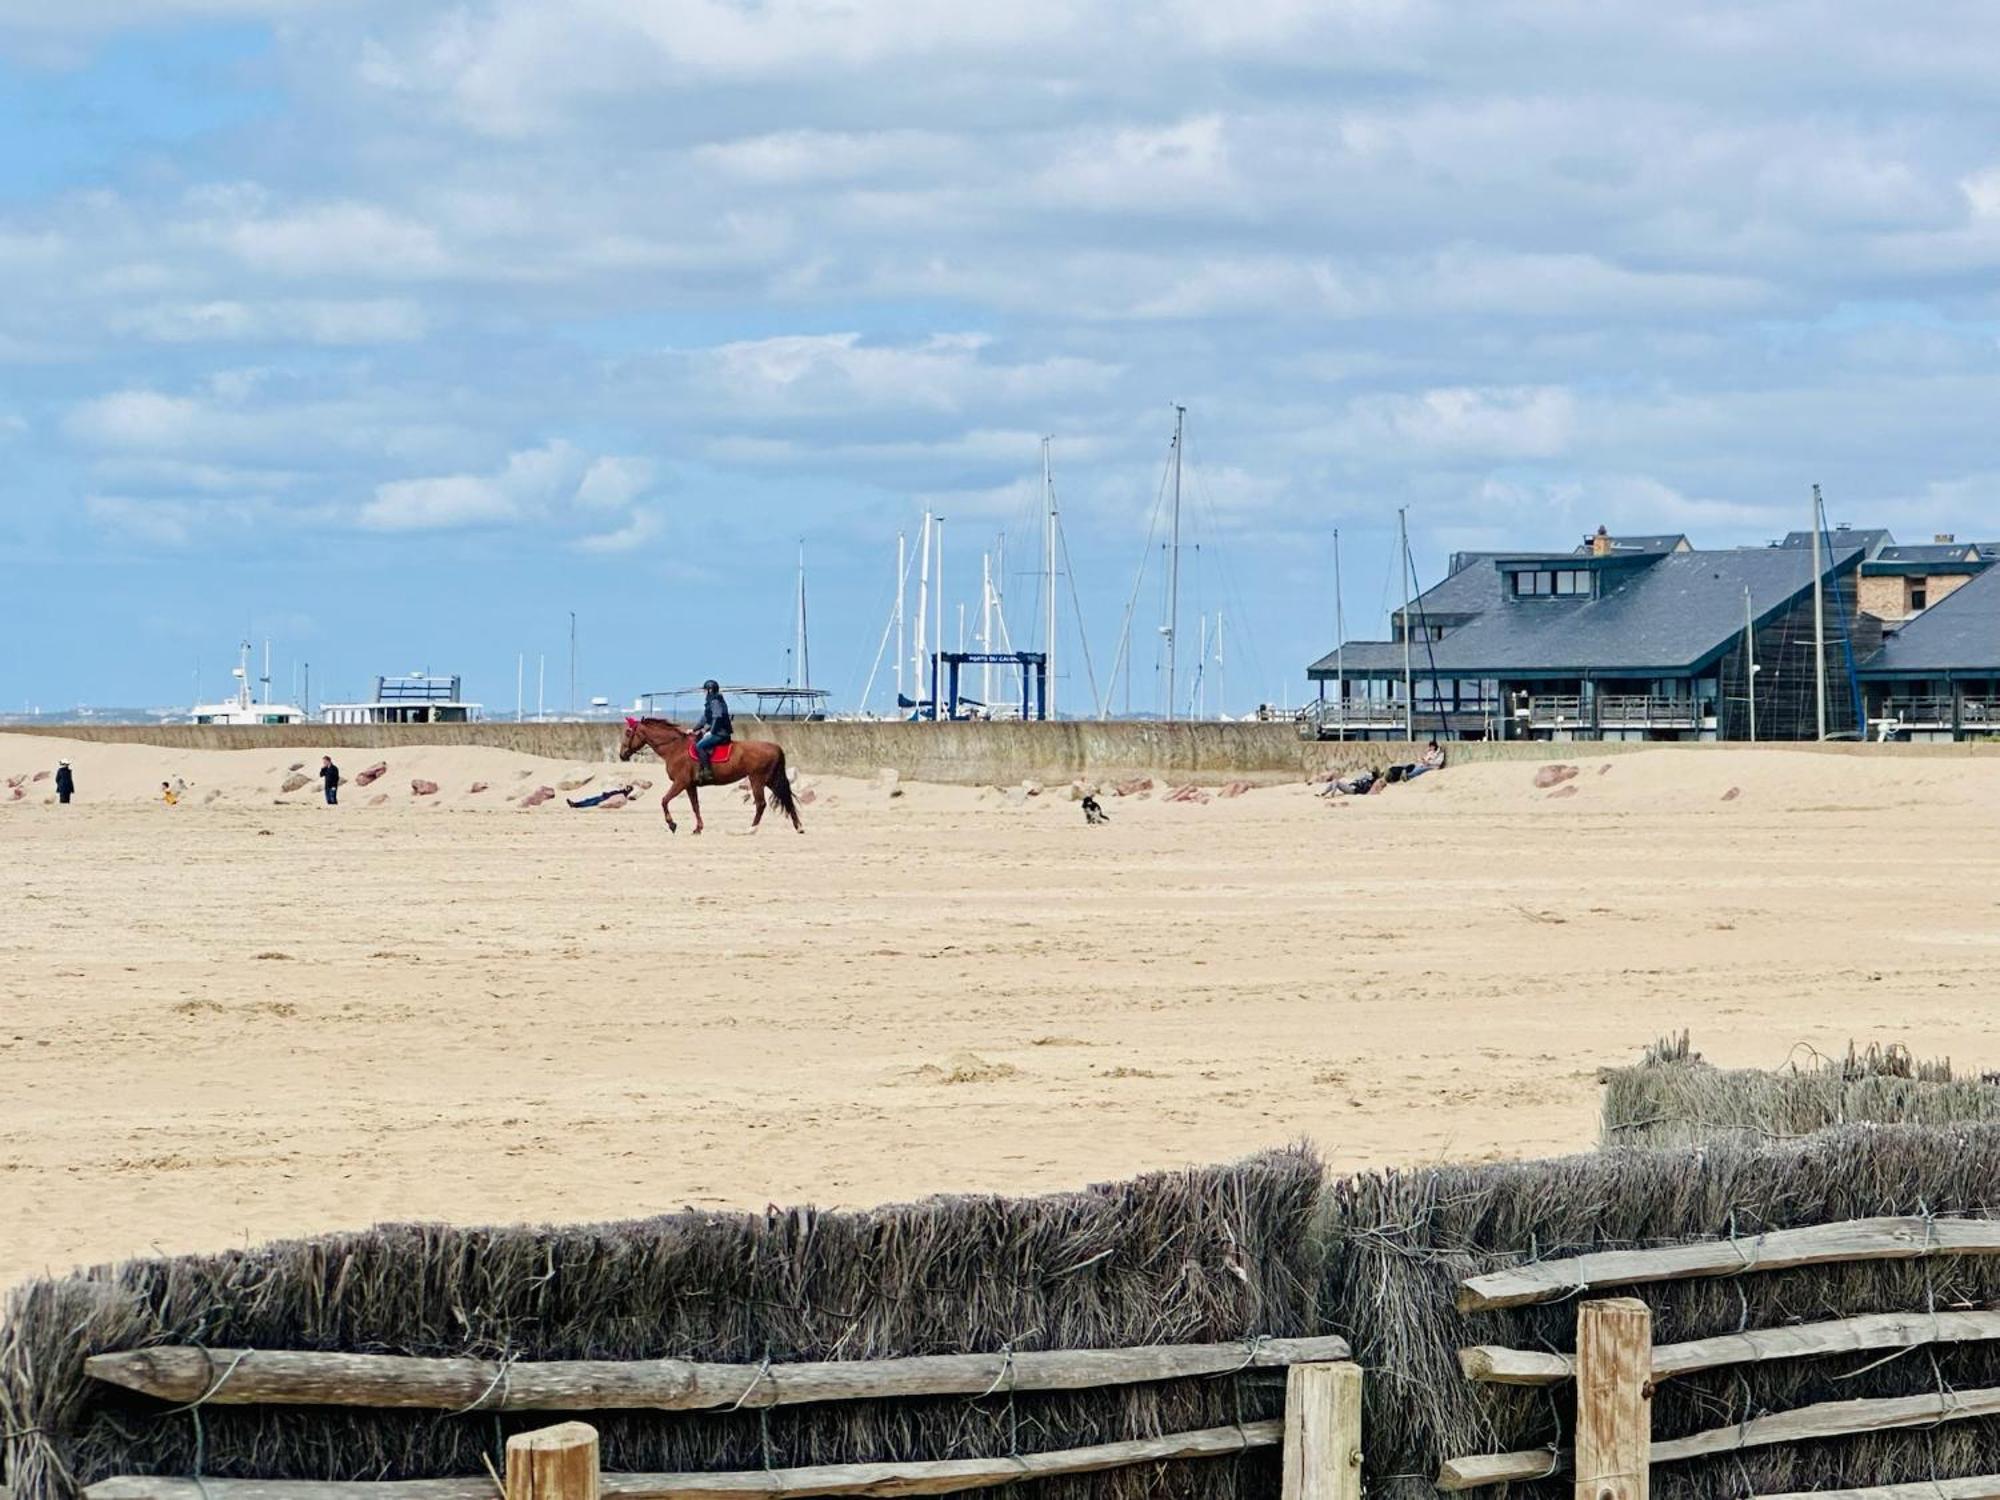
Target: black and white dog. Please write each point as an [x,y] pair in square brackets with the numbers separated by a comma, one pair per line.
[1094,814]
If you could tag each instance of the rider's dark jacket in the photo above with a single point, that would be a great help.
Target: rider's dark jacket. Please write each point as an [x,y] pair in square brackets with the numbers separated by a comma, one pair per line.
[715,717]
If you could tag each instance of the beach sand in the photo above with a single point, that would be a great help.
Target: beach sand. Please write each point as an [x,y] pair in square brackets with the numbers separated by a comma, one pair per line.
[246,1017]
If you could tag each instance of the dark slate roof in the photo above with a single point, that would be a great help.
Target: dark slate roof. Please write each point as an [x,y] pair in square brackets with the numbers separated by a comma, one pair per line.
[1930,552]
[1666,618]
[1960,633]
[1662,543]
[1871,539]
[1368,656]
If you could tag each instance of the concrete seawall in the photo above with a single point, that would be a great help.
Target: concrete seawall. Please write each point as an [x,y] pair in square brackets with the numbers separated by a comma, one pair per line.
[967,754]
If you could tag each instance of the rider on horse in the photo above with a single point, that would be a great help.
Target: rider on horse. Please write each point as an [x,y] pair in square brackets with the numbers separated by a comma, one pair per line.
[712,732]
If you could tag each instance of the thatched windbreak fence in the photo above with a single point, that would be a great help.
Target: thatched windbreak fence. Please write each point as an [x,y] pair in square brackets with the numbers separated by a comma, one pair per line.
[1217,1257]
[1861,1265]
[1672,1098]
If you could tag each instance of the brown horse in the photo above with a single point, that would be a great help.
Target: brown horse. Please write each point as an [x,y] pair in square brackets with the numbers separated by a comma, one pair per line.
[759,762]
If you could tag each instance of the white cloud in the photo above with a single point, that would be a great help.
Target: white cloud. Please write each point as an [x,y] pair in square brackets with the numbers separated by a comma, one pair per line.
[946,372]
[135,419]
[1506,422]
[337,237]
[643,526]
[326,322]
[549,483]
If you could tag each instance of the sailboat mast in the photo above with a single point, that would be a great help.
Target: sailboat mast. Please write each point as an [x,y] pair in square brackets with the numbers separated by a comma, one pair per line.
[800,649]
[937,644]
[1819,619]
[1049,639]
[1409,695]
[1750,662]
[1341,647]
[923,613]
[986,627]
[1174,565]
[1221,709]
[902,585]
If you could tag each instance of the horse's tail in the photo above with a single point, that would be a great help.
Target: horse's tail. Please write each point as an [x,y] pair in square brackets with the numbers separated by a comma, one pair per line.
[781,792]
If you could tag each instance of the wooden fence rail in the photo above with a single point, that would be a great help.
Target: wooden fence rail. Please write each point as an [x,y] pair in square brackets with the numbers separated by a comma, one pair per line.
[282,1377]
[1494,1365]
[1777,1250]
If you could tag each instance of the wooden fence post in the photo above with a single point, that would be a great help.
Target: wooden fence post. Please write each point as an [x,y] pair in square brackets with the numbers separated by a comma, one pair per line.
[1614,1402]
[553,1463]
[1322,1432]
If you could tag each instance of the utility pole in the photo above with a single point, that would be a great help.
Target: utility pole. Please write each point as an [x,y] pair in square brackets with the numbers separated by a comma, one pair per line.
[1049,643]
[1819,620]
[1409,694]
[1339,642]
[1750,662]
[520,668]
[1221,708]
[306,700]
[805,648]
[572,664]
[1174,565]
[541,682]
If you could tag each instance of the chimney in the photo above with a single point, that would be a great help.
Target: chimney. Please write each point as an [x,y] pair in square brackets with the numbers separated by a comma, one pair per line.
[1600,544]
[1944,538]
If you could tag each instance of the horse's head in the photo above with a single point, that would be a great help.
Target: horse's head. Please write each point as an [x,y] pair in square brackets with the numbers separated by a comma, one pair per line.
[634,741]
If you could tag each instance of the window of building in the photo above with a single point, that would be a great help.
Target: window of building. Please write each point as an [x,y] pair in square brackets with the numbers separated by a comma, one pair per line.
[1920,595]
[1567,583]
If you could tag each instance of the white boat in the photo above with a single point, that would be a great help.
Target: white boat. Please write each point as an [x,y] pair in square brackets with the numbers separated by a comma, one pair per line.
[244,707]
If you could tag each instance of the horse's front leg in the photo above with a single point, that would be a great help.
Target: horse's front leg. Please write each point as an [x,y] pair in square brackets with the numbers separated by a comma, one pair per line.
[757,796]
[694,801]
[667,805]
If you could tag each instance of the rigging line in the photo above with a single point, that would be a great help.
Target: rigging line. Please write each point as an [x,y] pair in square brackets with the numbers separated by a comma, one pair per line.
[1124,652]
[888,625]
[1076,604]
[1232,590]
[1430,647]
[1846,640]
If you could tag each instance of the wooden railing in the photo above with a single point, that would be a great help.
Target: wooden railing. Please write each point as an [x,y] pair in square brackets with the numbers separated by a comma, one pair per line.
[1647,709]
[1320,1432]
[1556,709]
[1616,1364]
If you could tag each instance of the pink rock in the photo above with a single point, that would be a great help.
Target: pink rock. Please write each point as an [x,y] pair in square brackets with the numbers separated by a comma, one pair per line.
[41,775]
[1188,793]
[807,797]
[475,788]
[1234,789]
[1605,769]
[374,772]
[378,799]
[615,800]
[1548,776]
[1732,794]
[1132,788]
[538,796]
[1562,791]
[422,788]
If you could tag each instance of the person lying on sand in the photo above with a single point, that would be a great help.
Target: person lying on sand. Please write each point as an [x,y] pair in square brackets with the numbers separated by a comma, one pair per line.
[1357,785]
[616,791]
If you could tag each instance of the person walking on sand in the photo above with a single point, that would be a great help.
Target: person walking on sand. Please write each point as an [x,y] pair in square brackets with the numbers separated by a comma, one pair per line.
[329,774]
[65,783]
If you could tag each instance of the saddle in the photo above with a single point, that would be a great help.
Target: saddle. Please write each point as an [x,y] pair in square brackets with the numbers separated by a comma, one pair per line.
[718,756]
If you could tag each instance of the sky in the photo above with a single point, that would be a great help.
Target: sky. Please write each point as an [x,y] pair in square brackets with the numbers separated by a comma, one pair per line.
[394,333]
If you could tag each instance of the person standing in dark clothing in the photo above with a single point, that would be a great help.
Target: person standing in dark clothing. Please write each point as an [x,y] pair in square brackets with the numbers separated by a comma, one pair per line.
[712,732]
[329,773]
[65,782]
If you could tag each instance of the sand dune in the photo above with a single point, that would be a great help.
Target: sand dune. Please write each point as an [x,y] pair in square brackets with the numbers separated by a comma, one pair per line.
[251,1015]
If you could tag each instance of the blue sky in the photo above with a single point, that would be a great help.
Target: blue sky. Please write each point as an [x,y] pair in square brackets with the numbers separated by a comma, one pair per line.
[395,332]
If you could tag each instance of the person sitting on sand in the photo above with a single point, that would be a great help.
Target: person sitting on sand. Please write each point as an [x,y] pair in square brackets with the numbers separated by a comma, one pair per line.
[167,793]
[1432,760]
[601,797]
[65,782]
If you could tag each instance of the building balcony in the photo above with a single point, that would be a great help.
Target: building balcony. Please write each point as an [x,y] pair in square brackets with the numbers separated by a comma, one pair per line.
[1647,711]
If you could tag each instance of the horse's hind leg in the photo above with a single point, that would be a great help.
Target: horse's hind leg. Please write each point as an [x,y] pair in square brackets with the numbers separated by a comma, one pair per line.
[757,796]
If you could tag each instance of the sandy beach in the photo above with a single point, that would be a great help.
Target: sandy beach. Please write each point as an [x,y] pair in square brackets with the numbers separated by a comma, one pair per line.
[249,1015]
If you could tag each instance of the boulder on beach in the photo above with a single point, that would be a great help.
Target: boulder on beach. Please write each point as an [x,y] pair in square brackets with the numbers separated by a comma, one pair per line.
[293,782]
[421,788]
[571,783]
[1233,789]
[476,788]
[805,796]
[41,775]
[1732,794]
[1553,775]
[1134,788]
[1188,793]
[1562,791]
[615,800]
[373,773]
[538,796]
[378,799]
